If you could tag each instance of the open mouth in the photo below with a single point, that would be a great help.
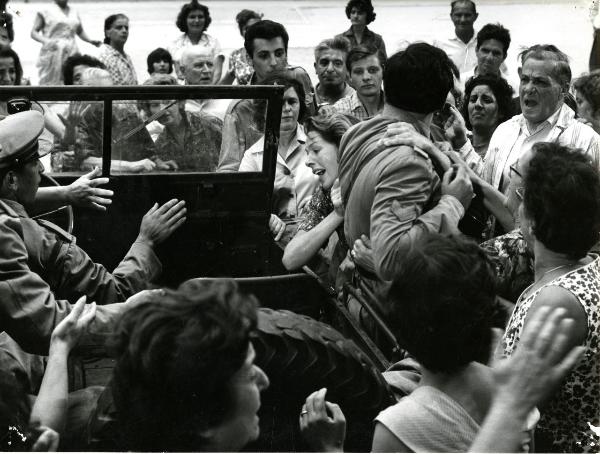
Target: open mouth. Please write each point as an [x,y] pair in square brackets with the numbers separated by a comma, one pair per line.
[319,172]
[530,103]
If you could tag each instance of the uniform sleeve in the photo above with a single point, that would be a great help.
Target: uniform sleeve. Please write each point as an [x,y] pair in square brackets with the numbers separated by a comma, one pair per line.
[133,274]
[397,219]
[28,309]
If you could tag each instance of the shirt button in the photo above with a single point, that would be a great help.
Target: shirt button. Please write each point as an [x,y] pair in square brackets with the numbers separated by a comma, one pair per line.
[286,171]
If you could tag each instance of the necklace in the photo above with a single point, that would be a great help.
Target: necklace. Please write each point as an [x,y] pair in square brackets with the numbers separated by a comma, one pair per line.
[525,293]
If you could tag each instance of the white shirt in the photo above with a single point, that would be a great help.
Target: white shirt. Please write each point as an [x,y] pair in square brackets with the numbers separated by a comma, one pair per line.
[463,55]
[294,182]
[214,107]
[512,139]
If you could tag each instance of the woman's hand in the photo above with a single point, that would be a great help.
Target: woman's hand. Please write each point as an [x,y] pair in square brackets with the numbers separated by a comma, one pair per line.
[322,423]
[362,254]
[143,165]
[277,227]
[455,129]
[68,332]
[84,192]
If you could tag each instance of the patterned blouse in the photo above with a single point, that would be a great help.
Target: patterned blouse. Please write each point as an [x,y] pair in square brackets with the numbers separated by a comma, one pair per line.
[513,261]
[574,408]
[200,149]
[318,208]
[240,65]
[118,65]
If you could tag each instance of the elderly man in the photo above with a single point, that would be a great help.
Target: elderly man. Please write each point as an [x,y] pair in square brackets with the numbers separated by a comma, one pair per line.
[545,78]
[330,66]
[366,74]
[41,268]
[197,67]
[266,43]
[393,194]
[461,47]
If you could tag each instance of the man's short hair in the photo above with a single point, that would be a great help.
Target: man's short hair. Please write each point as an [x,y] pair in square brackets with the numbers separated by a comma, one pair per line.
[364,6]
[562,70]
[359,52]
[470,2]
[159,54]
[418,79]
[176,352]
[494,31]
[264,29]
[77,60]
[338,43]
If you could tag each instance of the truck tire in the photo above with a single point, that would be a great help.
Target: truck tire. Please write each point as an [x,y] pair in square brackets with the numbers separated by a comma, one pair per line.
[299,355]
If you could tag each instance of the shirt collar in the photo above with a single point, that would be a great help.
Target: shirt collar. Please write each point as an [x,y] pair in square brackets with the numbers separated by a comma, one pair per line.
[17,207]
[551,121]
[299,137]
[460,41]
[421,126]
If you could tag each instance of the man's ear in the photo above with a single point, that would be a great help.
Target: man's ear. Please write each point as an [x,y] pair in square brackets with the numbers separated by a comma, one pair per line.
[476,16]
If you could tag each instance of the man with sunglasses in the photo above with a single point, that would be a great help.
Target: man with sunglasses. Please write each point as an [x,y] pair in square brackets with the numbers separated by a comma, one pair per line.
[42,270]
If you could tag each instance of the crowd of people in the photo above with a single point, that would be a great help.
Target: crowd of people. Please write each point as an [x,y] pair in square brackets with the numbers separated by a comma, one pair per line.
[462,200]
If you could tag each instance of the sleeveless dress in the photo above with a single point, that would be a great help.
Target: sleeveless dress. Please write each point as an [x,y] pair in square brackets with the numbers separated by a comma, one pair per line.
[568,417]
[61,29]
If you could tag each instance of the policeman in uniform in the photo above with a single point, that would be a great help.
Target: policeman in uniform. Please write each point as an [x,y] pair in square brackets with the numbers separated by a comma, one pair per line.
[42,270]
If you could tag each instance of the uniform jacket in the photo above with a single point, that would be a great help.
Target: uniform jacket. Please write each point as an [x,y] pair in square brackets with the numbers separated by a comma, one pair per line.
[43,271]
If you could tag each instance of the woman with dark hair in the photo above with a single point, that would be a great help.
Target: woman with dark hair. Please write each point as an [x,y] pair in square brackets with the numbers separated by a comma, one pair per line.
[487,103]
[193,20]
[55,27]
[294,182]
[159,61]
[560,220]
[587,97]
[11,71]
[112,52]
[361,13]
[185,378]
[240,63]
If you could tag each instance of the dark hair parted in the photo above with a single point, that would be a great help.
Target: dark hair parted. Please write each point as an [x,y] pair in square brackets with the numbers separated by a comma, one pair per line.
[176,352]
[501,90]
[359,52]
[108,23]
[244,16]
[286,80]
[77,60]
[264,29]
[418,78]
[588,86]
[8,52]
[494,31]
[364,6]
[442,301]
[185,11]
[159,54]
[562,199]
[331,127]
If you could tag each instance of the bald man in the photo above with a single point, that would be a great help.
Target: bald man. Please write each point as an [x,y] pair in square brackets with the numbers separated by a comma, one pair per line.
[197,67]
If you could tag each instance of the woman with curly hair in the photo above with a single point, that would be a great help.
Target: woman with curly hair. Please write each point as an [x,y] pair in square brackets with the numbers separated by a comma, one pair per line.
[587,97]
[361,13]
[193,20]
[240,64]
[560,220]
